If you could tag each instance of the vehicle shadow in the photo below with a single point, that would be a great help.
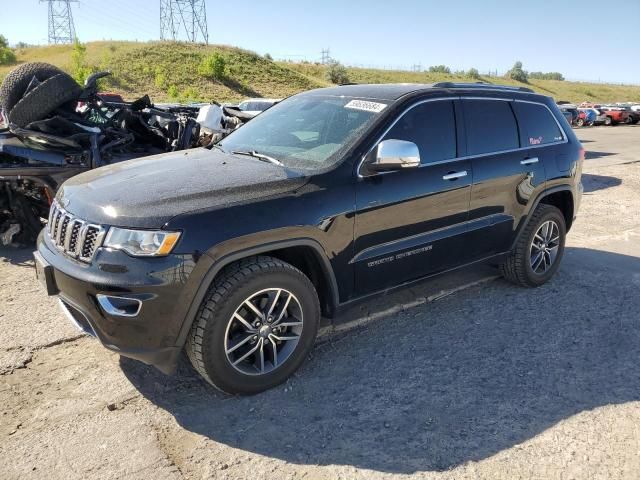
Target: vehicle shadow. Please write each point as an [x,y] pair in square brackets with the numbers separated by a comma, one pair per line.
[590,155]
[593,183]
[17,256]
[445,383]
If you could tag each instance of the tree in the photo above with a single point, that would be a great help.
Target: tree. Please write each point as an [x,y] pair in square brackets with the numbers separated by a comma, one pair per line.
[439,69]
[473,73]
[7,56]
[547,76]
[518,74]
[337,73]
[268,56]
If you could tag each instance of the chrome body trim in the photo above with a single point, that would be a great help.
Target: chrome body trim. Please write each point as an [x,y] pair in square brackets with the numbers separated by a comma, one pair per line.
[111,309]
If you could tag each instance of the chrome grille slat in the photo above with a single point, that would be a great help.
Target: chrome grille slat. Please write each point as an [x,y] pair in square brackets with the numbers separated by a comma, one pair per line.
[73,236]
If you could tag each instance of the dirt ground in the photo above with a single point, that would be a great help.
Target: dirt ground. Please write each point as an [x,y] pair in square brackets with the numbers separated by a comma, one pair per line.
[492,381]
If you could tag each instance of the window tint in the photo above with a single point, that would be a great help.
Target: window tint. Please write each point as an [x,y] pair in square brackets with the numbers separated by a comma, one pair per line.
[491,126]
[538,124]
[432,127]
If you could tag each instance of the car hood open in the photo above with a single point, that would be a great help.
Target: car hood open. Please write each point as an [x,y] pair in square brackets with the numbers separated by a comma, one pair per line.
[148,192]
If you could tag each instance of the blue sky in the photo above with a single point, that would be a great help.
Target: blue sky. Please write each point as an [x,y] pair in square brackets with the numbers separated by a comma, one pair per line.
[591,40]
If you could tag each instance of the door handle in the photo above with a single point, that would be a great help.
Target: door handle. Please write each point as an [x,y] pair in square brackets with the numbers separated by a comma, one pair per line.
[529,161]
[454,175]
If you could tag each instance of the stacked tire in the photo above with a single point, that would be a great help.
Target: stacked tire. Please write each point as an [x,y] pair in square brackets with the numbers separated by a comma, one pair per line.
[33,91]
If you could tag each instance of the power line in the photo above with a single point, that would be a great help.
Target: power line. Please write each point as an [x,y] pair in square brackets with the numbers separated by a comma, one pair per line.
[61,28]
[188,17]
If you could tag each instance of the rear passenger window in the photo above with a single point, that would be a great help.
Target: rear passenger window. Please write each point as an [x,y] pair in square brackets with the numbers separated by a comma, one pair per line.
[491,126]
[538,125]
[432,127]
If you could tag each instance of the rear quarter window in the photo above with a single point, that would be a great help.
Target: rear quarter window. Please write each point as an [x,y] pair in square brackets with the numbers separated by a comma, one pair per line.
[538,124]
[491,126]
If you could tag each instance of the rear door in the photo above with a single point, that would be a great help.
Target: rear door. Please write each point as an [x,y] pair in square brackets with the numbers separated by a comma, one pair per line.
[506,175]
[411,223]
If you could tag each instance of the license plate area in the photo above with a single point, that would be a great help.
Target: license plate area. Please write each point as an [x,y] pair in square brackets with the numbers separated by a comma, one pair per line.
[44,273]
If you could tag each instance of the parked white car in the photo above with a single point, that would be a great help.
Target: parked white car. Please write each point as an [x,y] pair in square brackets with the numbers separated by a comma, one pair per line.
[254,106]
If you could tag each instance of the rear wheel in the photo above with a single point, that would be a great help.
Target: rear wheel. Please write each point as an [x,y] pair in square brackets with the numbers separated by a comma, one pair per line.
[539,249]
[608,121]
[580,122]
[255,327]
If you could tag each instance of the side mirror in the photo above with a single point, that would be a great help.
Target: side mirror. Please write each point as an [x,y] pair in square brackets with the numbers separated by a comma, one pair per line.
[395,155]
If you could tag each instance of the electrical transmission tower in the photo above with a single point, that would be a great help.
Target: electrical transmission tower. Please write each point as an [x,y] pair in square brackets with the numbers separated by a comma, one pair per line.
[326,56]
[61,27]
[184,17]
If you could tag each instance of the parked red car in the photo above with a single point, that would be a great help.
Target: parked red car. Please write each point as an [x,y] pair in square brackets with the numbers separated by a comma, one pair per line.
[615,115]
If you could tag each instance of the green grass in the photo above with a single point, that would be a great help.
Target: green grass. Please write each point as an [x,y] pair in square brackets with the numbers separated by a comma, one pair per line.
[169,71]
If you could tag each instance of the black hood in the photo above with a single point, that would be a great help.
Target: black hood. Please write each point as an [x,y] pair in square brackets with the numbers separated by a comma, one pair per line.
[148,192]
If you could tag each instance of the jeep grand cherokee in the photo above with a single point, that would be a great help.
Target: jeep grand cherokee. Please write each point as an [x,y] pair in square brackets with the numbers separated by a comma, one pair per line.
[234,253]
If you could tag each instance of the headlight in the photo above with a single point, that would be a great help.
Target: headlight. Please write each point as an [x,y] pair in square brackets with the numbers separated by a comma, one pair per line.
[141,243]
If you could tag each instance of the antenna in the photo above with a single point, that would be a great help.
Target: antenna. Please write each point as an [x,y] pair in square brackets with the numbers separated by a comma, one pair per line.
[326,56]
[184,17]
[61,27]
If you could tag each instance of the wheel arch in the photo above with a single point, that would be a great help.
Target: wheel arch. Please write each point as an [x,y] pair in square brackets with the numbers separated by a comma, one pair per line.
[561,197]
[305,254]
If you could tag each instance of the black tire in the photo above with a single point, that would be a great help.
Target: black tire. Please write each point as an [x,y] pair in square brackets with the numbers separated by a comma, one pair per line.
[44,99]
[608,121]
[580,122]
[208,336]
[517,267]
[16,82]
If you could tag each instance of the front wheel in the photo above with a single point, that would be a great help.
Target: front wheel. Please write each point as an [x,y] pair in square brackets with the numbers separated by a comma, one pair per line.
[255,327]
[608,121]
[539,249]
[580,122]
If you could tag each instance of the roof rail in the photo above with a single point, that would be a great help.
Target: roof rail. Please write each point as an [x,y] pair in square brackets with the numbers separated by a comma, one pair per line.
[480,85]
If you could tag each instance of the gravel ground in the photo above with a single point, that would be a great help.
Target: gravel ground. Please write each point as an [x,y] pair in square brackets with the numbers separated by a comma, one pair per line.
[493,381]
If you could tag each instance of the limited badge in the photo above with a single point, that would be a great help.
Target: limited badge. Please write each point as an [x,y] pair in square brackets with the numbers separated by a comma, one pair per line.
[366,106]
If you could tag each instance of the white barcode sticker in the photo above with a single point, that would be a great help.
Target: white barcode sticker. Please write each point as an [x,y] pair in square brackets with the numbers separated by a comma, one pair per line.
[366,106]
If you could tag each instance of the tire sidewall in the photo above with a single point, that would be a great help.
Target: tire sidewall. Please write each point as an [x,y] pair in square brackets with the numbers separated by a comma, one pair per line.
[558,218]
[217,366]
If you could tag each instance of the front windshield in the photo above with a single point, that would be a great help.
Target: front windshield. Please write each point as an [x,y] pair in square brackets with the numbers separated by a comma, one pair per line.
[306,132]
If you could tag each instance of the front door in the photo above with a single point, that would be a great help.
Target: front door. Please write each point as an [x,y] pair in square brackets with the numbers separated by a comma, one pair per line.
[412,223]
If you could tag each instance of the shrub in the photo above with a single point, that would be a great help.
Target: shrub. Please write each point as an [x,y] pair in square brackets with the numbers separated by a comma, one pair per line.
[439,69]
[518,74]
[7,56]
[337,73]
[79,68]
[172,91]
[473,73]
[268,56]
[160,79]
[213,67]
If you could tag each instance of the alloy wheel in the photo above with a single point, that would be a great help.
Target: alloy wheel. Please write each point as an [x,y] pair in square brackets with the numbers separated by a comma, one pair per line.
[544,247]
[264,331]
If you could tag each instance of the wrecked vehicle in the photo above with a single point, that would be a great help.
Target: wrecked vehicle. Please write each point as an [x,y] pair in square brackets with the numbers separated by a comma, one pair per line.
[53,129]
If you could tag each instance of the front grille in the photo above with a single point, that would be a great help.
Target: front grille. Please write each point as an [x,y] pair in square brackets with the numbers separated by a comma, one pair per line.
[74,236]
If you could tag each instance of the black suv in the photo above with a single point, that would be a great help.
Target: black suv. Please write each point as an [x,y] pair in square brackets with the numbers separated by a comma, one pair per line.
[235,253]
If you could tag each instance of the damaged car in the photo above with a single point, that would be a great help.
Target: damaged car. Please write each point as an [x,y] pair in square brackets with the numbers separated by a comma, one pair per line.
[52,129]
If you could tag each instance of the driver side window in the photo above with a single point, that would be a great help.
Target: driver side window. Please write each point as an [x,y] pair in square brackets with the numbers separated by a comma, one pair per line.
[432,127]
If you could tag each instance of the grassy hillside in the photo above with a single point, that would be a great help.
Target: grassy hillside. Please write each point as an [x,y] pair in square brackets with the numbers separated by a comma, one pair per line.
[169,71]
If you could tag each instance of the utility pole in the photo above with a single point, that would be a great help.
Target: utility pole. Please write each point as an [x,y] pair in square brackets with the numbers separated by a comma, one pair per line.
[326,56]
[184,18]
[61,26]
[416,67]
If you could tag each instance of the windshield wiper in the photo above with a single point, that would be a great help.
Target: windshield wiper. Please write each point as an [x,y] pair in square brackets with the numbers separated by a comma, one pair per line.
[260,156]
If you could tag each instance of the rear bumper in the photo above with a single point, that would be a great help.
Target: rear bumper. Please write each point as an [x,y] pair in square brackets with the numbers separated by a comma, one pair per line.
[150,334]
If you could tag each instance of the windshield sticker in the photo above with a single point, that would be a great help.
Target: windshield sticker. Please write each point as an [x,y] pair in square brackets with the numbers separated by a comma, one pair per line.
[366,106]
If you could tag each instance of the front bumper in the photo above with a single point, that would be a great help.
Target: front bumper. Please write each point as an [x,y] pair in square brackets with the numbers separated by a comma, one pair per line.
[160,286]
